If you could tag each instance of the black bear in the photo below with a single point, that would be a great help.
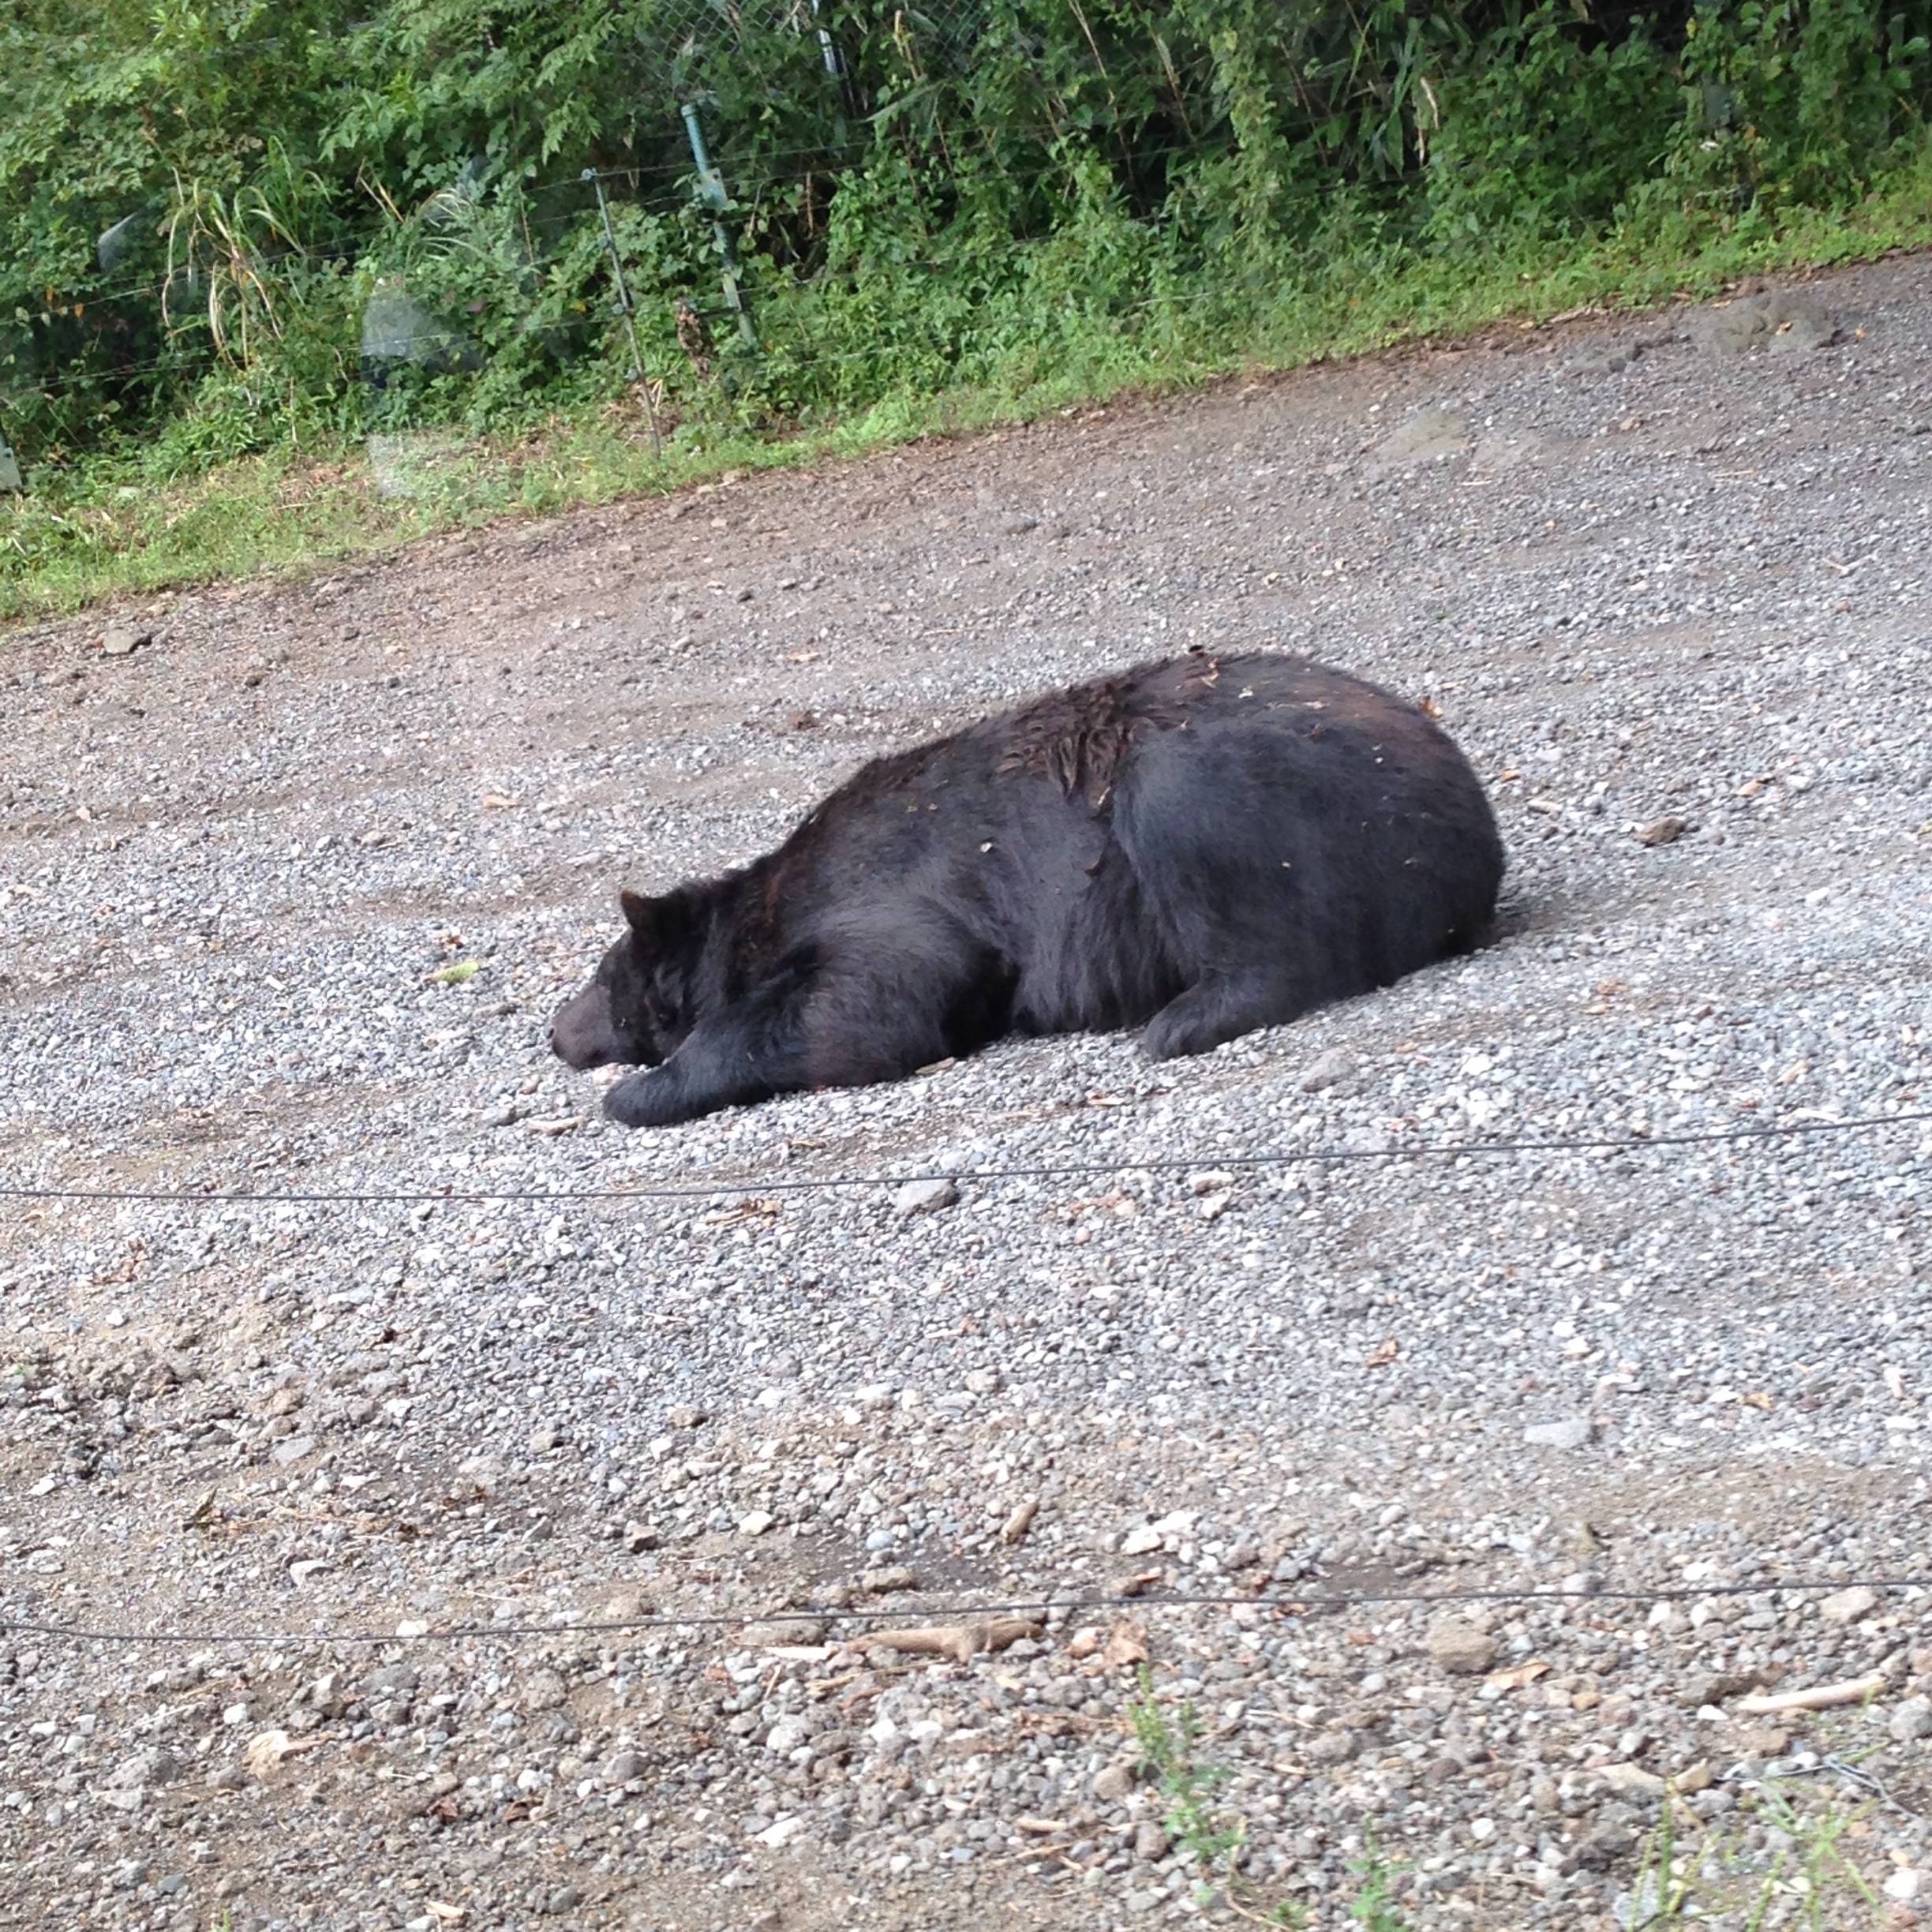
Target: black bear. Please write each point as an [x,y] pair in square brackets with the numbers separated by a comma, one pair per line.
[1200,847]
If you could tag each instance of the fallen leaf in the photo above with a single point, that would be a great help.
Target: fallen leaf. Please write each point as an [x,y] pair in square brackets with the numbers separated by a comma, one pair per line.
[1385,1353]
[1517,1675]
[498,801]
[1758,1399]
[1126,1643]
[1430,708]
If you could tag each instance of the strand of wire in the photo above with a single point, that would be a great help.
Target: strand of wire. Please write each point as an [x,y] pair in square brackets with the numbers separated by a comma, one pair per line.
[1207,1161]
[802,352]
[743,187]
[1068,1603]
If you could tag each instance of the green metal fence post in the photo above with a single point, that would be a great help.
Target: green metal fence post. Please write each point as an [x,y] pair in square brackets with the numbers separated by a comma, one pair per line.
[712,187]
[623,309]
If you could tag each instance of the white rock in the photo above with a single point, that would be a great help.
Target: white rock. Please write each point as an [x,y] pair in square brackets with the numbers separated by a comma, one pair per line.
[1572,1434]
[1847,1606]
[1460,1649]
[1912,1720]
[919,1197]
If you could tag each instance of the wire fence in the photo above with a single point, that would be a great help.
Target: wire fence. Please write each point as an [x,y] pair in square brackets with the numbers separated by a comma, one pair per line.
[1208,1160]
[1313,1599]
[560,295]
[1065,1603]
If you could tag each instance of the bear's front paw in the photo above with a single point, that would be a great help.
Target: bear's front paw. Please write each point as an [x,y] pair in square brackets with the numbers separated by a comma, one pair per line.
[642,1100]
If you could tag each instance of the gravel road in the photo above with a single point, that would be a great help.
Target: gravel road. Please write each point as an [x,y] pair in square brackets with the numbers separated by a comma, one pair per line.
[291,878]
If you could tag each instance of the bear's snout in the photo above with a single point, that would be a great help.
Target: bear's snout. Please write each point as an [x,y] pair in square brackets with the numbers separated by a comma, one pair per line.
[583,1035]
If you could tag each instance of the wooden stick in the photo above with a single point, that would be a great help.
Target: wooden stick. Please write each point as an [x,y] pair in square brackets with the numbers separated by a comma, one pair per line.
[961,1641]
[1820,1696]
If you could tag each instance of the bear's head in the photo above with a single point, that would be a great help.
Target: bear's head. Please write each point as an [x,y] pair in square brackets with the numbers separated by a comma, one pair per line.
[637,1008]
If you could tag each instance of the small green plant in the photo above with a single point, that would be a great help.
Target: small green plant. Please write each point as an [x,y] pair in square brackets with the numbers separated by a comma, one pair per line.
[460,974]
[1374,1906]
[1166,1747]
[1809,1885]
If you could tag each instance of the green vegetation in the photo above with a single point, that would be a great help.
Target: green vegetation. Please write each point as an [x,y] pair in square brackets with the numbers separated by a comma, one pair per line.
[1186,1783]
[1374,1906]
[1804,1882]
[236,240]
[1166,1747]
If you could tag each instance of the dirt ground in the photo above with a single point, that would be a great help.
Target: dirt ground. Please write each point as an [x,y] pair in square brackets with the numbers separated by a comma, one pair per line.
[291,876]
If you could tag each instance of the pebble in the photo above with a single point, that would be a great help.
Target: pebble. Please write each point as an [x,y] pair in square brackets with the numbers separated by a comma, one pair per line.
[1574,1432]
[921,1197]
[1848,1606]
[1328,1069]
[1911,1722]
[1459,1648]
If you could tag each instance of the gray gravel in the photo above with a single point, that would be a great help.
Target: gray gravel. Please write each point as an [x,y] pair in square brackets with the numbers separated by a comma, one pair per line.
[289,888]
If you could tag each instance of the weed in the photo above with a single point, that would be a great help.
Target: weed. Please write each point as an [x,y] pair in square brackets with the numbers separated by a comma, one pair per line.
[1807,1884]
[1167,1748]
[1374,1906]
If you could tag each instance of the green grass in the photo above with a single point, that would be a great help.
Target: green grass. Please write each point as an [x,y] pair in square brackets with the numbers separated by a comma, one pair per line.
[1214,1840]
[1809,1884]
[106,529]
[1373,1907]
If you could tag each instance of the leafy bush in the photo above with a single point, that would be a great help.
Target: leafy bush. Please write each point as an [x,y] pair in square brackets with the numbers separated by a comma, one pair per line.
[202,206]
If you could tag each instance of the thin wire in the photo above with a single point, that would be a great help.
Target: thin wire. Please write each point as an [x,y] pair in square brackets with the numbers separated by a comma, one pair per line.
[1453,1150]
[1300,1603]
[742,186]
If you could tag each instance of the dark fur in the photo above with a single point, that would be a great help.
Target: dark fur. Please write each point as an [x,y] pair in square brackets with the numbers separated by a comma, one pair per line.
[1196,847]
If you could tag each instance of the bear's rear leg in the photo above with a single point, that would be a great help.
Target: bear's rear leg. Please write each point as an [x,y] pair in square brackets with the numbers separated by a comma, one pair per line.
[1219,1007]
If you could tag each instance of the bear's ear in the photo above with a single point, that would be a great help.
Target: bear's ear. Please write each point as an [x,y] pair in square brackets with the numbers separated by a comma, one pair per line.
[645,916]
[661,925]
